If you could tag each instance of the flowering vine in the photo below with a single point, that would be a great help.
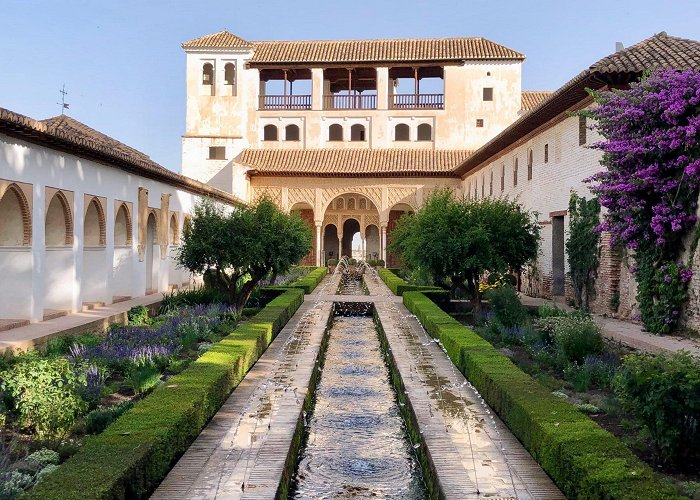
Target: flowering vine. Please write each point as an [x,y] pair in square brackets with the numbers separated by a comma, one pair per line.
[651,182]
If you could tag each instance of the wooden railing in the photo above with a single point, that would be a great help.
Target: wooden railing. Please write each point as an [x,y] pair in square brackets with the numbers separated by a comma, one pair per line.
[344,101]
[285,102]
[418,101]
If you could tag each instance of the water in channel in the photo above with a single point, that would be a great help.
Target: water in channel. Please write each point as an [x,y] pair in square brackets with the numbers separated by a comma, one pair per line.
[357,446]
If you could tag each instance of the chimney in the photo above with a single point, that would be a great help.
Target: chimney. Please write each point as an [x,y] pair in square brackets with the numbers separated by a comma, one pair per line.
[619,46]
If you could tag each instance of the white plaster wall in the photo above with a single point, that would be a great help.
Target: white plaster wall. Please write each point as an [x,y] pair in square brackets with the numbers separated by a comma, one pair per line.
[16,272]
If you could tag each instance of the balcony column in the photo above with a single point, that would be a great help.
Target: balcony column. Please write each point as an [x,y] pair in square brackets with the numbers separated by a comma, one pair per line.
[384,88]
[318,244]
[383,241]
[317,89]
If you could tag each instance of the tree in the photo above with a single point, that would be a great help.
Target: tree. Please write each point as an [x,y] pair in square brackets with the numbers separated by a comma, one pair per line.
[460,240]
[582,246]
[242,246]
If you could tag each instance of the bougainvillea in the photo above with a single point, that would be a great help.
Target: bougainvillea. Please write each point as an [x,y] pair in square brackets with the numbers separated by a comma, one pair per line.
[651,182]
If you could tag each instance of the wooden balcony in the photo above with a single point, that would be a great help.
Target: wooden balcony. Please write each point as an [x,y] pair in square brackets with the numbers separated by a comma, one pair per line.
[418,101]
[293,102]
[353,101]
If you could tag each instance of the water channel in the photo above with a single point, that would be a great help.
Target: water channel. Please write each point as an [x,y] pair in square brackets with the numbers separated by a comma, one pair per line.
[356,442]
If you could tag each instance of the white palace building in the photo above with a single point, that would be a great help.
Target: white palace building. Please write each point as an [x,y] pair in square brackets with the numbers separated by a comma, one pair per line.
[350,133]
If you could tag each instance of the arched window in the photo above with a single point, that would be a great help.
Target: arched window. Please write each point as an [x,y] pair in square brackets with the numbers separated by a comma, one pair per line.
[351,204]
[335,132]
[122,227]
[94,230]
[425,132]
[270,133]
[401,132]
[357,132]
[58,230]
[15,224]
[291,133]
[515,173]
[363,204]
[230,74]
[340,204]
[208,74]
[174,231]
[529,165]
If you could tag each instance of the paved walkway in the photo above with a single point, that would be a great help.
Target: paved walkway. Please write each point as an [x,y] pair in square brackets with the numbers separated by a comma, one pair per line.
[241,453]
[630,334]
[474,453]
[97,319]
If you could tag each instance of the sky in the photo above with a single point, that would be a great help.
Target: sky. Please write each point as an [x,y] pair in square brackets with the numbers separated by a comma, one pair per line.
[123,67]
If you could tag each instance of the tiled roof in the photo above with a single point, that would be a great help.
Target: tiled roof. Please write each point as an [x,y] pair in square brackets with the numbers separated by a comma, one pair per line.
[221,39]
[353,162]
[531,98]
[618,69]
[360,51]
[66,134]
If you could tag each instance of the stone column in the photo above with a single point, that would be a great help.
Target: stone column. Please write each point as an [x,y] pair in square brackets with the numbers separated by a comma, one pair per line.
[318,245]
[317,89]
[340,245]
[383,244]
[383,88]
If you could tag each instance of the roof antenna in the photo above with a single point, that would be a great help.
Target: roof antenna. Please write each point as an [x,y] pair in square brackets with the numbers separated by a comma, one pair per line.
[64,105]
[619,46]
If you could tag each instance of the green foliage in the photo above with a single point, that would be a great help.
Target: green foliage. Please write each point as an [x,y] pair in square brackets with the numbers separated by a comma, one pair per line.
[462,239]
[15,485]
[381,263]
[582,246]
[310,281]
[663,391]
[584,460]
[577,337]
[138,315]
[506,306]
[332,262]
[352,262]
[661,291]
[547,310]
[43,457]
[134,453]
[98,419]
[43,395]
[398,285]
[242,246]
[194,296]
[142,377]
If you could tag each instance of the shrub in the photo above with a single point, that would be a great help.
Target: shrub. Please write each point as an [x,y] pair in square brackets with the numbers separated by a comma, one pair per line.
[142,377]
[663,391]
[192,297]
[44,457]
[43,394]
[506,306]
[138,315]
[381,263]
[595,371]
[352,262]
[332,262]
[576,337]
[549,310]
[97,420]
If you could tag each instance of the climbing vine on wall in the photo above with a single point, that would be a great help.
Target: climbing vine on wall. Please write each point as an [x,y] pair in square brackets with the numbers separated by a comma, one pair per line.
[650,184]
[582,246]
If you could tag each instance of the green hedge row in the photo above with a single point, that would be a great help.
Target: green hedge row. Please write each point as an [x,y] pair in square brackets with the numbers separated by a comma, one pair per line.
[134,453]
[583,459]
[311,280]
[399,285]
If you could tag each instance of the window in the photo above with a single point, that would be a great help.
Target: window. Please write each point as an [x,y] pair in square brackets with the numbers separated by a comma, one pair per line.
[476,188]
[357,132]
[208,74]
[335,132]
[491,184]
[483,184]
[581,130]
[488,93]
[425,132]
[515,173]
[230,78]
[217,152]
[479,122]
[503,177]
[270,133]
[529,165]
[291,133]
[401,132]
[546,153]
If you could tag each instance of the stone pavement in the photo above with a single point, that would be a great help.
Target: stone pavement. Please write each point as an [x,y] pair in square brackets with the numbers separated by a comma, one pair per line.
[630,334]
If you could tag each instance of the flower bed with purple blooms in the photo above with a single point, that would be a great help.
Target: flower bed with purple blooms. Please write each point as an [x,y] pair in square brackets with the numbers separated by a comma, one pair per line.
[651,183]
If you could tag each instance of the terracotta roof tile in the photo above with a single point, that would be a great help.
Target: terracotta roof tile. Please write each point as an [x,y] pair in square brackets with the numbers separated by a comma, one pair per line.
[531,98]
[360,51]
[353,162]
[64,133]
[658,51]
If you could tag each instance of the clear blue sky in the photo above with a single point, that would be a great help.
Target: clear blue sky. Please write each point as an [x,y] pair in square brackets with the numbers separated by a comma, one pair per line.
[123,66]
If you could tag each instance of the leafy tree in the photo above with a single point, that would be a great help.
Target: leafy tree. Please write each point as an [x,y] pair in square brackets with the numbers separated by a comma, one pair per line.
[460,240]
[582,246]
[242,246]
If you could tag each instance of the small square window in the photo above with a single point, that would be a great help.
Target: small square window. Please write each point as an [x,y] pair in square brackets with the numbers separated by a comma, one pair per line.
[479,122]
[488,93]
[217,152]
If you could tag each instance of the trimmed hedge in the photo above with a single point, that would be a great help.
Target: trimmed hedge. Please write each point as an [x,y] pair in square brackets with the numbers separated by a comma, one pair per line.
[310,281]
[399,285]
[583,459]
[134,453]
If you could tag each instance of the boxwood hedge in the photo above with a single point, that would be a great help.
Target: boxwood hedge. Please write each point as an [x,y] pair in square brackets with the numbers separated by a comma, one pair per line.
[399,285]
[584,460]
[311,280]
[134,453]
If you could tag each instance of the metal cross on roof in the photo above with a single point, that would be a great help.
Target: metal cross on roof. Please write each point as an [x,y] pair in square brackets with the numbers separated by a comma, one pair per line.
[64,105]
